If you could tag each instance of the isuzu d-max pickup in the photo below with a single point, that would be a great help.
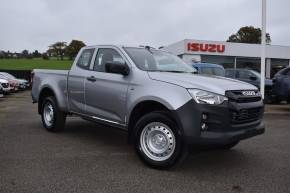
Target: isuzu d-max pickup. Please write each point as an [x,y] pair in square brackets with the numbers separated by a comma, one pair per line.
[155,96]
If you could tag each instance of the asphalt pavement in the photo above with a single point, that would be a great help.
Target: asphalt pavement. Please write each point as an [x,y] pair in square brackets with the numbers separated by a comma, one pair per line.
[88,157]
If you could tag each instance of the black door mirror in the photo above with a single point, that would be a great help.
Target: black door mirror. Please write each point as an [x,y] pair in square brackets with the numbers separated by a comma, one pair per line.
[117,68]
[253,78]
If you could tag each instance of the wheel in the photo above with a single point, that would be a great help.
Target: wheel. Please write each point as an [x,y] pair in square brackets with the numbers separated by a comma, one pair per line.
[158,141]
[228,146]
[53,118]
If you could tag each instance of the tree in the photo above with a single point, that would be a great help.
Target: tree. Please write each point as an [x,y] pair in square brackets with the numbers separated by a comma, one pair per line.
[45,56]
[57,49]
[73,48]
[249,34]
[25,53]
[36,54]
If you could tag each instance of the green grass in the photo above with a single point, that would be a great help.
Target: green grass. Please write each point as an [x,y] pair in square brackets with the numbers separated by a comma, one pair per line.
[36,63]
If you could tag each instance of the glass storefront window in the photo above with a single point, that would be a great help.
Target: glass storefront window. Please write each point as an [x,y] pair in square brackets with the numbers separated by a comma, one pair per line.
[278,64]
[249,63]
[225,61]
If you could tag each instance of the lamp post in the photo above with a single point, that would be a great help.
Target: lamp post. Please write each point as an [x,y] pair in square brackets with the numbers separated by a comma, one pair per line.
[263,49]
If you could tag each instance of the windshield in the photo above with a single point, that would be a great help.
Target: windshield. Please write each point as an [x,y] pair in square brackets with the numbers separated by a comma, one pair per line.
[212,71]
[7,75]
[157,60]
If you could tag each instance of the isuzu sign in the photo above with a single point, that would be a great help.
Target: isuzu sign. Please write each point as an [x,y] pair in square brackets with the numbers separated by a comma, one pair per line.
[200,47]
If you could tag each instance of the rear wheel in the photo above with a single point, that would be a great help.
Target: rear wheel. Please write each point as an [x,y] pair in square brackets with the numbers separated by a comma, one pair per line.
[53,118]
[158,142]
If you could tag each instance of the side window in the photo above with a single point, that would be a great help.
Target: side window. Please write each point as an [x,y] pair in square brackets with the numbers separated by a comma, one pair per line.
[106,55]
[85,58]
[244,74]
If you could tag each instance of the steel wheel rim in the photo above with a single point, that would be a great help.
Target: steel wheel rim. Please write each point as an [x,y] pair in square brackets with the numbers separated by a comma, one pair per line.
[48,114]
[157,141]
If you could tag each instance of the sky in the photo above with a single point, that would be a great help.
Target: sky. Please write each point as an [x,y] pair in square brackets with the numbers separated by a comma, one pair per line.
[36,24]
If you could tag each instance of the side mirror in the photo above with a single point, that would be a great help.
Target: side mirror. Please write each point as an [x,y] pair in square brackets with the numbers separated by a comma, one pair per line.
[117,68]
[253,78]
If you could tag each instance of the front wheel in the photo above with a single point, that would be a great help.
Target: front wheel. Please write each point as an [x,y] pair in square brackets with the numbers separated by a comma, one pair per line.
[53,118]
[158,142]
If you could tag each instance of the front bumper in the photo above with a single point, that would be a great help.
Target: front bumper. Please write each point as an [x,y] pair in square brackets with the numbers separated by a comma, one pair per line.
[7,90]
[225,123]
[226,137]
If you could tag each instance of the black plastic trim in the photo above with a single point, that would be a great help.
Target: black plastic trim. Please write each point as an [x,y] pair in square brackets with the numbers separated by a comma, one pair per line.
[220,128]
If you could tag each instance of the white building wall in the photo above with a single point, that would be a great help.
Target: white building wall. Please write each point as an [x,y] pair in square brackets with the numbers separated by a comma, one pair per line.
[232,49]
[189,59]
[176,48]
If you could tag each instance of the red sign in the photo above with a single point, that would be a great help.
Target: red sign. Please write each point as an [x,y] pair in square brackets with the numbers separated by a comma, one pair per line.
[199,47]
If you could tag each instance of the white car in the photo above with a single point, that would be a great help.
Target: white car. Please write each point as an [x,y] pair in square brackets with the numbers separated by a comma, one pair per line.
[6,86]
[13,81]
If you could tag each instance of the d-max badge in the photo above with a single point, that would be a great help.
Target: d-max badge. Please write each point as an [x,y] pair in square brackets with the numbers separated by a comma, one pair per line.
[249,93]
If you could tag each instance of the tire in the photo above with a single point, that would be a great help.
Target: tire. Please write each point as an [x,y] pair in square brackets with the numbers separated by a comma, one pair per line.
[228,146]
[53,119]
[158,140]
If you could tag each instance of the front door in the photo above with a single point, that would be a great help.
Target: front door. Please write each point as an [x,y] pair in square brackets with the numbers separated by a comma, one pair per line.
[106,93]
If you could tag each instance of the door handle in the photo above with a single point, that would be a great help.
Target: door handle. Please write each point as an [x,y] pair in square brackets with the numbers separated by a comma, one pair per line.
[91,78]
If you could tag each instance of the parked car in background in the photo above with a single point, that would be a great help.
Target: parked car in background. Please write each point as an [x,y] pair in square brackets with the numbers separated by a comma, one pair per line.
[281,85]
[5,85]
[1,91]
[23,84]
[253,77]
[209,69]
[13,81]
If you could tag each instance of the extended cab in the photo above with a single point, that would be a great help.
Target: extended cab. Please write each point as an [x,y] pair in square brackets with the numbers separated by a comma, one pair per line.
[155,96]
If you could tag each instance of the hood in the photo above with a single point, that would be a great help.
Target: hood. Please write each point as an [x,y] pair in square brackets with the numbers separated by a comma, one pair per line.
[215,84]
[3,80]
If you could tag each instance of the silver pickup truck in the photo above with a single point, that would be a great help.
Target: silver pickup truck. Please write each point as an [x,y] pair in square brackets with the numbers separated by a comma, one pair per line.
[155,96]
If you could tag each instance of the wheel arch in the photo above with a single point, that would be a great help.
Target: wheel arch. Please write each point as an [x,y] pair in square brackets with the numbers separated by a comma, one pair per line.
[142,108]
[45,92]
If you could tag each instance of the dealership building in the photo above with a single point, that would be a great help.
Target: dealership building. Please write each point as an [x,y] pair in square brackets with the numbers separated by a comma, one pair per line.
[232,55]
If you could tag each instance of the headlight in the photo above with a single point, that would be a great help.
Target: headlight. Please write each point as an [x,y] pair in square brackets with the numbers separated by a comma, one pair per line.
[204,97]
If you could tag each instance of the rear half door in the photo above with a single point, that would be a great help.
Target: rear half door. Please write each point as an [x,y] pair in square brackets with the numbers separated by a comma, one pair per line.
[76,81]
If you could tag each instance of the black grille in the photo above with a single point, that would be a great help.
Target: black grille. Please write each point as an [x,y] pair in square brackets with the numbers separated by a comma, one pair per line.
[5,85]
[237,96]
[246,115]
[248,99]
